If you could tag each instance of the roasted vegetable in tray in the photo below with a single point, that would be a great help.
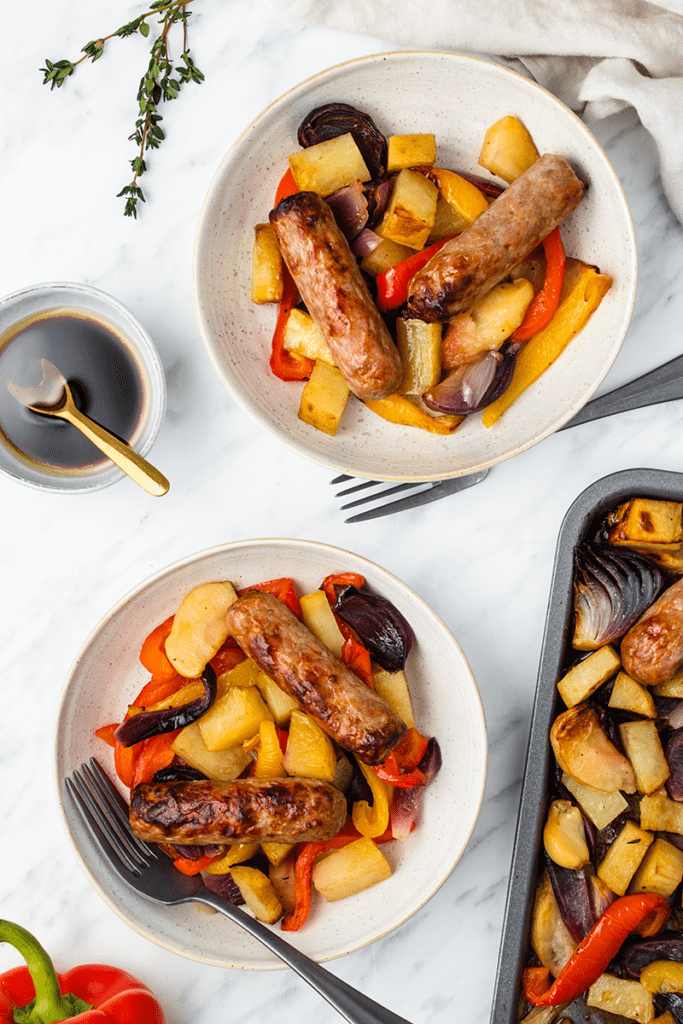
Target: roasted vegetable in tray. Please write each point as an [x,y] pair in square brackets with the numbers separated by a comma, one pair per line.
[607,921]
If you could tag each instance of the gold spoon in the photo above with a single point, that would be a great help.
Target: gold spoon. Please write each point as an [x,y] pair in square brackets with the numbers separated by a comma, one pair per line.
[52,397]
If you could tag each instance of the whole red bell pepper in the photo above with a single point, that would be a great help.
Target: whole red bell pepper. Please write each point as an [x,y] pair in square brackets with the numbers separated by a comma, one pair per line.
[591,958]
[90,994]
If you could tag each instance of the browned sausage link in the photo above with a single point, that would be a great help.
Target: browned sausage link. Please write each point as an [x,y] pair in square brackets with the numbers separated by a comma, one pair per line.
[466,268]
[652,650]
[245,811]
[348,710]
[329,280]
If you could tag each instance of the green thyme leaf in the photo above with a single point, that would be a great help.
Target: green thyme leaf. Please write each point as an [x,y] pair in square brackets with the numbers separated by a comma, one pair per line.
[157,83]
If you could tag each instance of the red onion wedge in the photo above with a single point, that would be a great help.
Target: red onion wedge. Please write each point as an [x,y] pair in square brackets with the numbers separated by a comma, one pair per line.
[350,209]
[612,589]
[153,723]
[473,387]
[365,243]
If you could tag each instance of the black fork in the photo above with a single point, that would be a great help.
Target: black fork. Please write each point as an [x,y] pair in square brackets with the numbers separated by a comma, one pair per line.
[665,384]
[150,872]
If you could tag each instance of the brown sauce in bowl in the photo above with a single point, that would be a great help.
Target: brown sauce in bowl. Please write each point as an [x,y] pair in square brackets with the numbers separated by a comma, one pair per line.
[106,381]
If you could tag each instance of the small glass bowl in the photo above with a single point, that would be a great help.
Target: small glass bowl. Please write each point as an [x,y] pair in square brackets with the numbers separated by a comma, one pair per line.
[104,309]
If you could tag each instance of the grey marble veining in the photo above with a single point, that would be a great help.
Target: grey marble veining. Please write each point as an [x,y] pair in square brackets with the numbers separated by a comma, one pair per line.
[482,559]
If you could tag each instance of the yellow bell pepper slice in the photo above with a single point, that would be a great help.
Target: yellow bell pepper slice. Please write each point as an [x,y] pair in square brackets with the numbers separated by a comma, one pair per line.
[270,761]
[464,198]
[235,855]
[399,409]
[372,821]
[586,290]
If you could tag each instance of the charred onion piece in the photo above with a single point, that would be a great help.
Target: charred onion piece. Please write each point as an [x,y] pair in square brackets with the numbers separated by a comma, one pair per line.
[178,773]
[666,946]
[350,209]
[152,723]
[334,119]
[612,589]
[674,757]
[223,885]
[379,624]
[572,892]
[476,385]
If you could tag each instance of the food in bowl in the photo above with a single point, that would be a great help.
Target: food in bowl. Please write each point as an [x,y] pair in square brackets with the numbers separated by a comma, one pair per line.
[275,746]
[606,929]
[458,290]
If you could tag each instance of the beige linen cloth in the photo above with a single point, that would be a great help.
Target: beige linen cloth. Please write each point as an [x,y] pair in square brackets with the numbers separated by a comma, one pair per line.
[597,56]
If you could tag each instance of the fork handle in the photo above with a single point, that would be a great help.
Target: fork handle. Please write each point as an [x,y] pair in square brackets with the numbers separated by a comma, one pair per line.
[349,1002]
[663,384]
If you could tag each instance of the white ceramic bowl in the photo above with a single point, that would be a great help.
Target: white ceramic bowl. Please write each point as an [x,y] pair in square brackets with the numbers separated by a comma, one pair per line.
[106,675]
[456,98]
[36,300]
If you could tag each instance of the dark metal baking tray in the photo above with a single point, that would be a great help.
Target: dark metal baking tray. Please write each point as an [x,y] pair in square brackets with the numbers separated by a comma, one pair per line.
[597,499]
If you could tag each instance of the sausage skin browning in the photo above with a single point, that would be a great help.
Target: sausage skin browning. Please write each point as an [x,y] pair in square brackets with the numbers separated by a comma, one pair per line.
[652,650]
[199,812]
[348,710]
[470,265]
[330,282]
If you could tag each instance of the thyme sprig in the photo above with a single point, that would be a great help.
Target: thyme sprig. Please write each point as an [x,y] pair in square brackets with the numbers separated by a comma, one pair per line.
[157,84]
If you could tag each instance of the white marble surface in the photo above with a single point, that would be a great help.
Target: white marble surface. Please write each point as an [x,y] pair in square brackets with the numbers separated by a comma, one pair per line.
[481,559]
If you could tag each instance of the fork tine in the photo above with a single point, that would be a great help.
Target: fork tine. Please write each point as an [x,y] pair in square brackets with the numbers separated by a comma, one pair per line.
[378,495]
[358,487]
[341,479]
[102,814]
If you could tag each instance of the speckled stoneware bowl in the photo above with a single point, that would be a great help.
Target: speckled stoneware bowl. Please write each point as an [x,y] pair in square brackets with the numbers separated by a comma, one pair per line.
[106,675]
[456,98]
[38,300]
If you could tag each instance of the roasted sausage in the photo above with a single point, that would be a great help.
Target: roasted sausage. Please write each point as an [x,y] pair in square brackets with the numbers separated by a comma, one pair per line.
[286,650]
[200,812]
[330,282]
[468,266]
[652,650]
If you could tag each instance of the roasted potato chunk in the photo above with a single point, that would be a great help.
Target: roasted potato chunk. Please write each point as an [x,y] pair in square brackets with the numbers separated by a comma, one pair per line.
[324,398]
[266,266]
[328,166]
[411,210]
[508,149]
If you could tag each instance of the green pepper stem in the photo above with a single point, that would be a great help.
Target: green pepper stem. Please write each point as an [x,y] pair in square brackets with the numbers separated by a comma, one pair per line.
[49,1005]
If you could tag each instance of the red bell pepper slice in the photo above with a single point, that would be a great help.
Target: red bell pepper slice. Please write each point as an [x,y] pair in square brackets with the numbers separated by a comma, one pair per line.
[304,866]
[284,364]
[89,994]
[158,689]
[106,733]
[356,656]
[193,867]
[392,284]
[124,762]
[390,772]
[341,579]
[591,958]
[286,187]
[401,767]
[410,750]
[154,754]
[544,305]
[282,589]
[228,657]
[153,651]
